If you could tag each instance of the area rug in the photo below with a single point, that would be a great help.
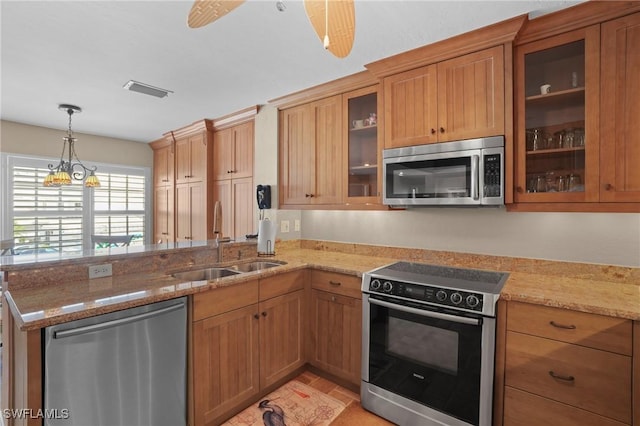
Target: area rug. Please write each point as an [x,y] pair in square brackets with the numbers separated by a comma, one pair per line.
[293,404]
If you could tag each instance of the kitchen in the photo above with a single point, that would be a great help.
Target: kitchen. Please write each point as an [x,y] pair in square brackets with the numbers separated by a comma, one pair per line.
[601,238]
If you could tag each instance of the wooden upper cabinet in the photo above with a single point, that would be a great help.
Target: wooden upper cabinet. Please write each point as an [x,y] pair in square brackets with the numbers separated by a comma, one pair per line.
[362,146]
[191,158]
[163,215]
[163,165]
[460,98]
[557,132]
[471,95]
[191,212]
[297,155]
[328,151]
[233,152]
[620,110]
[411,107]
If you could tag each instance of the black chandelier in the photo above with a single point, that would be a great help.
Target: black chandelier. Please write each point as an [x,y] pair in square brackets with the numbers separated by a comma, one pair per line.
[66,169]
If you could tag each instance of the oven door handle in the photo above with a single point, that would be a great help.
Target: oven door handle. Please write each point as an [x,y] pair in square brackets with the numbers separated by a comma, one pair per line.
[424,313]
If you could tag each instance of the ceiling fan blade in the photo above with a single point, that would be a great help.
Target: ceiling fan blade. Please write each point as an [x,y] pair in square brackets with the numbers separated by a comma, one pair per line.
[341,20]
[204,12]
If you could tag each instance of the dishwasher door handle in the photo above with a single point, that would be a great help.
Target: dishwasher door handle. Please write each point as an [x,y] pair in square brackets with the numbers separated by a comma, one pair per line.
[113,323]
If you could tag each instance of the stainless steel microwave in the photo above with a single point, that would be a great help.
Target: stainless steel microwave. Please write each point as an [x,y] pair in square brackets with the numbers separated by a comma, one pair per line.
[461,173]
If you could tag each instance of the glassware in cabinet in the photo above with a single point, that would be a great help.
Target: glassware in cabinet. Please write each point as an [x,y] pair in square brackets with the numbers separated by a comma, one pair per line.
[362,147]
[553,103]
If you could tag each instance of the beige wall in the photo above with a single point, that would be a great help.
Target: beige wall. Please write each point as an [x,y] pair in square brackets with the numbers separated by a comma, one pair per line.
[17,138]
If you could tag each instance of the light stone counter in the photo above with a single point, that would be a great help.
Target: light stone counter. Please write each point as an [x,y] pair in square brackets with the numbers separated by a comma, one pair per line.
[599,289]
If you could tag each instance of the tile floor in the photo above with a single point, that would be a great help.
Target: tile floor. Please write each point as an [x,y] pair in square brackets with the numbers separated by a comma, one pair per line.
[354,414]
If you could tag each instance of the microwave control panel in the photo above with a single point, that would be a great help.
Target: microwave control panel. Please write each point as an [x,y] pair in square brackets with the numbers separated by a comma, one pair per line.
[492,175]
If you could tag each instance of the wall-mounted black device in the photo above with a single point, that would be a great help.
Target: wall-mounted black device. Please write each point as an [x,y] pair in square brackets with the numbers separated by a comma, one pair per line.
[263,195]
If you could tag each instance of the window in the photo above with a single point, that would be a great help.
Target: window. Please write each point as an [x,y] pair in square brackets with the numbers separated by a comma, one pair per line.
[62,219]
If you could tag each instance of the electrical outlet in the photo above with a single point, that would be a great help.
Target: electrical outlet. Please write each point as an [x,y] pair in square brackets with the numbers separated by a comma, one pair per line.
[284,226]
[296,225]
[99,271]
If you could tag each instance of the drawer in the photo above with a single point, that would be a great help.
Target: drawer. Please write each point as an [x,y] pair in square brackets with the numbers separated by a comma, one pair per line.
[280,284]
[334,282]
[224,299]
[591,330]
[591,379]
[525,409]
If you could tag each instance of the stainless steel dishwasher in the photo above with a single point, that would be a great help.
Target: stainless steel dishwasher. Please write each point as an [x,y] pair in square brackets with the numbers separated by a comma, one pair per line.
[123,368]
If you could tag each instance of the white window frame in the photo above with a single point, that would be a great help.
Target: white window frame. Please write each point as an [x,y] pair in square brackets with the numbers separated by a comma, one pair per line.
[9,160]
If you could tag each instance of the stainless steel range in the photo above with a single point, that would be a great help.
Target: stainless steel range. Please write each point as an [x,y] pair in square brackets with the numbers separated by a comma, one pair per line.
[428,343]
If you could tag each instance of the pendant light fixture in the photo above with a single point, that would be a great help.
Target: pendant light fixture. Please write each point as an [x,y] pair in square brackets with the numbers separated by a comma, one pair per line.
[66,168]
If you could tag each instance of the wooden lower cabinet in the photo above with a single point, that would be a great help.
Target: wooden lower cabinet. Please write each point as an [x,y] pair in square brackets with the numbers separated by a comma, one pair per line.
[243,341]
[281,337]
[526,409]
[226,362]
[336,334]
[566,368]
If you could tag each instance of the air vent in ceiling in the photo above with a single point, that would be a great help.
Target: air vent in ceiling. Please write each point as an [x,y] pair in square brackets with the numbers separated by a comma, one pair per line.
[136,86]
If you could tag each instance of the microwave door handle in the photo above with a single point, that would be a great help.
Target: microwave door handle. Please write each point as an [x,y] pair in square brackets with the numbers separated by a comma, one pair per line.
[475,176]
[423,313]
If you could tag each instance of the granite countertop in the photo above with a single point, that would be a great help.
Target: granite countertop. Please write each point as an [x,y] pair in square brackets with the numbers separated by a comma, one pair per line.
[38,307]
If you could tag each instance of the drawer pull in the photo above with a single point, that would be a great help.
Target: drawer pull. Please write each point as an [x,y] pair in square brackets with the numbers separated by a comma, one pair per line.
[561,377]
[566,327]
[335,283]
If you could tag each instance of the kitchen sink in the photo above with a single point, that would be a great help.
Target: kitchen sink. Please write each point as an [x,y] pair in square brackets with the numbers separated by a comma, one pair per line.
[205,274]
[256,266]
[213,273]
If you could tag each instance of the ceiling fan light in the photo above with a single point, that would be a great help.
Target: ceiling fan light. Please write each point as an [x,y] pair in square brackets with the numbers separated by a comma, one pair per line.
[146,89]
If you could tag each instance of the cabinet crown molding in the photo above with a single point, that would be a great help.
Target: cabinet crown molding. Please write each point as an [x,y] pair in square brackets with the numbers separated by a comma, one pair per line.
[480,39]
[575,17]
[326,90]
[236,118]
[193,128]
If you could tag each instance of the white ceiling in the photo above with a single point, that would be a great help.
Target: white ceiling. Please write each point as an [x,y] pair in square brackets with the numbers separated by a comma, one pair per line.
[83,52]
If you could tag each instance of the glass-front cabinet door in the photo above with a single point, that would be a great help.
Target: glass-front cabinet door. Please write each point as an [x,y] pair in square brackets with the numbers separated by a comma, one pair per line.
[557,96]
[362,147]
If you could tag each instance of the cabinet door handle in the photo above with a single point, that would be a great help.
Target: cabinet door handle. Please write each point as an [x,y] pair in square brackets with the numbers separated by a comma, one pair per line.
[187,238]
[433,131]
[561,377]
[264,314]
[608,187]
[441,129]
[566,327]
[335,283]
[256,316]
[519,189]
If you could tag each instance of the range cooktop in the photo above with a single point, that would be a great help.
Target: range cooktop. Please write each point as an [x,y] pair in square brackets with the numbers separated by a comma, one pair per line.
[471,290]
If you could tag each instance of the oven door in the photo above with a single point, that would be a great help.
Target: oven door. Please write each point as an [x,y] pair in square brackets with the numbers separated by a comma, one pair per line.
[442,178]
[437,359]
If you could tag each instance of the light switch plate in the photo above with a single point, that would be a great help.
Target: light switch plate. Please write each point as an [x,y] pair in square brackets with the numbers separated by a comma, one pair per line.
[99,271]
[296,225]
[284,226]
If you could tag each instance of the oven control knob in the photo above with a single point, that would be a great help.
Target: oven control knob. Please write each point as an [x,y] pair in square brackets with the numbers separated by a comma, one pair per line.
[472,301]
[375,285]
[441,295]
[456,298]
[387,287]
